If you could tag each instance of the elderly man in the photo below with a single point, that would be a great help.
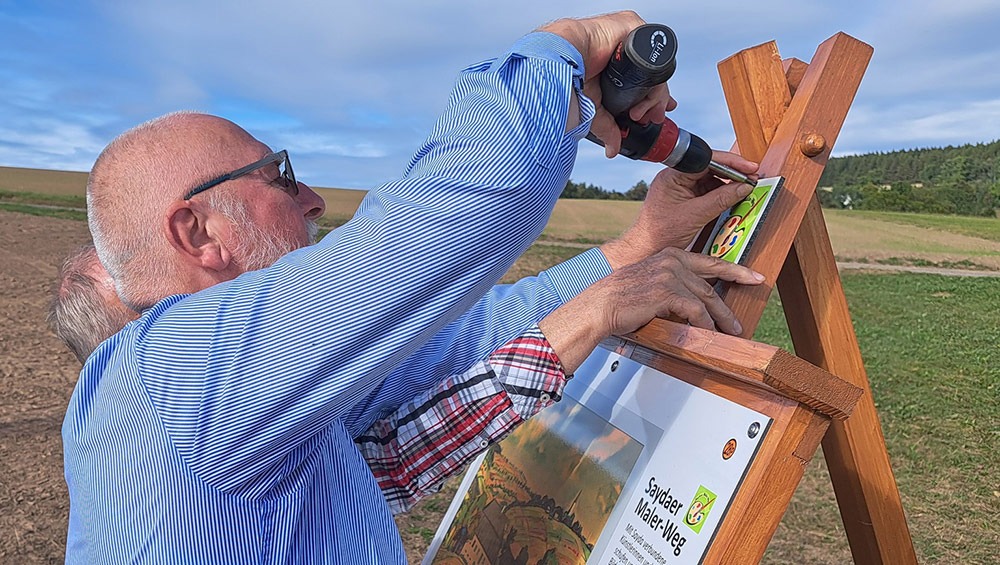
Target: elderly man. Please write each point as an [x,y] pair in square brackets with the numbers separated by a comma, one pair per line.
[85,310]
[220,426]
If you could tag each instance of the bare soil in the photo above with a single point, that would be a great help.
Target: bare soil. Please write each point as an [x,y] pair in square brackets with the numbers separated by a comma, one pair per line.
[37,376]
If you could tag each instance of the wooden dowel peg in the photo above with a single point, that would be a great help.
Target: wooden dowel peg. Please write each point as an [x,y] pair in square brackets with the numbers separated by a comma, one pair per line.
[812,144]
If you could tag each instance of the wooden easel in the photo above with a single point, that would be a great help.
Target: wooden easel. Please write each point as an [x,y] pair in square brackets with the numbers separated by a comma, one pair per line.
[787,115]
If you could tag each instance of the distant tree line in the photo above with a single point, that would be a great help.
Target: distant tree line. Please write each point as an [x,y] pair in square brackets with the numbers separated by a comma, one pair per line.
[950,180]
[594,192]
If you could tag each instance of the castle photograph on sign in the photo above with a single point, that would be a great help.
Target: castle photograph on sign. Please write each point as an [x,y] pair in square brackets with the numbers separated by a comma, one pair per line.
[545,493]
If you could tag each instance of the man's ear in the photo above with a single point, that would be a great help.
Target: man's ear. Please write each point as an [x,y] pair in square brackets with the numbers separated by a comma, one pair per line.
[198,235]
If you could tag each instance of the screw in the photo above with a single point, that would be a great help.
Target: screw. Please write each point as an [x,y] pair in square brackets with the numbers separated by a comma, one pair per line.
[754,428]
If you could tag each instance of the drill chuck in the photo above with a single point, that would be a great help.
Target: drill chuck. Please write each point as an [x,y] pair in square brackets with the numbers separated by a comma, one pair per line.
[664,143]
[695,158]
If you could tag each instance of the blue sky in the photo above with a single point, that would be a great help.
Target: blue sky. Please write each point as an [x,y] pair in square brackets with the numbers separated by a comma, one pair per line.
[351,91]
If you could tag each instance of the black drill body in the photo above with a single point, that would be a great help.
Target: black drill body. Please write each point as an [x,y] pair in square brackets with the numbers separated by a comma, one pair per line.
[647,58]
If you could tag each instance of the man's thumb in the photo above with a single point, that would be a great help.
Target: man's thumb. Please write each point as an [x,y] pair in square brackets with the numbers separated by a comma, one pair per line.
[711,205]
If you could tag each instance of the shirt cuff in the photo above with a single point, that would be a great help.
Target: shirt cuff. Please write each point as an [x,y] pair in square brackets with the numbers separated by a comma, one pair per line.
[547,45]
[571,277]
[530,372]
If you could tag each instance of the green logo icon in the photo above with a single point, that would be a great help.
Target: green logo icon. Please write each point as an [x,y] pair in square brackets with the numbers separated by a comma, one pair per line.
[699,508]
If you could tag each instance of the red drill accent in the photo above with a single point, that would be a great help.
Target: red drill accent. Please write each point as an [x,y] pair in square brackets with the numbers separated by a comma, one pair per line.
[665,142]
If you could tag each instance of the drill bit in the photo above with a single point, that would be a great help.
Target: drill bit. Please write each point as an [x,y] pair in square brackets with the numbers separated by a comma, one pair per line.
[723,171]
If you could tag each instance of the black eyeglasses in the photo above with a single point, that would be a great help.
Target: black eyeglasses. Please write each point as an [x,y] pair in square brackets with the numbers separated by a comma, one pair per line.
[285,180]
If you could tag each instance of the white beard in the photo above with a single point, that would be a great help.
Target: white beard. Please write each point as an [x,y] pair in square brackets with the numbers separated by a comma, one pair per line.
[255,248]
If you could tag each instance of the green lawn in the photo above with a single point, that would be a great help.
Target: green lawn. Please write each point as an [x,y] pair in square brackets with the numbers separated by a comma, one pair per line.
[931,345]
[21,197]
[65,213]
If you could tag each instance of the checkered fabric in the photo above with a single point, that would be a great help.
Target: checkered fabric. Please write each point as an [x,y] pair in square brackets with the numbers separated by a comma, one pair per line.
[415,449]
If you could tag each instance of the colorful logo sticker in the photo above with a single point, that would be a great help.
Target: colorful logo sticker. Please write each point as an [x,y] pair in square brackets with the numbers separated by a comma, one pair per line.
[729,449]
[734,232]
[699,508]
[728,237]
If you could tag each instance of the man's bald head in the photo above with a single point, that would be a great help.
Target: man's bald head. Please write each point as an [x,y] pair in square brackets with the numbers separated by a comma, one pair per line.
[136,179]
[85,310]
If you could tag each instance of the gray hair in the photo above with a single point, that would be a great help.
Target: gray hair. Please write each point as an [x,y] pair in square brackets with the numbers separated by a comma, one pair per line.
[79,312]
[119,222]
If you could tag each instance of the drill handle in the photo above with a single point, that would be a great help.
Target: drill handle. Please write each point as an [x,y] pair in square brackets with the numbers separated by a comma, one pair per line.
[644,142]
[646,58]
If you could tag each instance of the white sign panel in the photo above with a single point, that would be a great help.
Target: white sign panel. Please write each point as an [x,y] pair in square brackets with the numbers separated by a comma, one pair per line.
[632,467]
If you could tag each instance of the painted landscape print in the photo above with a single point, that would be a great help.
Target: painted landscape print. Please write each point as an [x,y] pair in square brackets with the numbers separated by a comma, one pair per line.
[543,494]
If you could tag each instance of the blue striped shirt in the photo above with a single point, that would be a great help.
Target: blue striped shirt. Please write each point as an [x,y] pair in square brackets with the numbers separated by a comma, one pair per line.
[218,427]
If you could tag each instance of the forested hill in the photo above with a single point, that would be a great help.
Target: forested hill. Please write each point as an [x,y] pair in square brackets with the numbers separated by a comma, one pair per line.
[949,180]
[954,180]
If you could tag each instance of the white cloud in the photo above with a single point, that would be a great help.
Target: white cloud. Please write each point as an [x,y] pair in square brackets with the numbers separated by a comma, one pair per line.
[49,143]
[921,126]
[331,145]
[352,89]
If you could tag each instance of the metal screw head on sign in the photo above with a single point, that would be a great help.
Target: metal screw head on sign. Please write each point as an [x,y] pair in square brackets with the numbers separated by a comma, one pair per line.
[754,429]
[614,366]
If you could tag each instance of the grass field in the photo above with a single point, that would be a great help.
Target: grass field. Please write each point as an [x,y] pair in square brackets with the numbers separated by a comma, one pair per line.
[931,346]
[56,183]
[985,228]
[873,237]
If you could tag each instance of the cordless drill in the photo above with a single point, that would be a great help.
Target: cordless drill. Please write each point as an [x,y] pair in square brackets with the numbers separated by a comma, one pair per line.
[646,58]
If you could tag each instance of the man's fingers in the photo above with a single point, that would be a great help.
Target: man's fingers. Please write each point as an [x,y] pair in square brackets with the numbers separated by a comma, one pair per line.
[653,106]
[690,308]
[656,113]
[644,106]
[708,267]
[711,205]
[605,128]
[723,316]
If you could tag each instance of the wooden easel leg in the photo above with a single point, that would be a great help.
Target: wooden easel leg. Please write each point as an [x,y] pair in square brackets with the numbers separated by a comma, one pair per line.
[821,329]
[758,88]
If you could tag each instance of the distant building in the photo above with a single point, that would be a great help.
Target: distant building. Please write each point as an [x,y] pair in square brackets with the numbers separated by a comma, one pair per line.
[472,552]
[490,532]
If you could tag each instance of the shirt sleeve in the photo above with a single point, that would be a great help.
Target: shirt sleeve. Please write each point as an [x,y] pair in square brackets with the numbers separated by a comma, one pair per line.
[425,441]
[505,312]
[242,373]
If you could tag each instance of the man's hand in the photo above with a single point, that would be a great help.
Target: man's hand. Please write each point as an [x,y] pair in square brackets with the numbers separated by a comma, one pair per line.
[677,206]
[596,38]
[670,282]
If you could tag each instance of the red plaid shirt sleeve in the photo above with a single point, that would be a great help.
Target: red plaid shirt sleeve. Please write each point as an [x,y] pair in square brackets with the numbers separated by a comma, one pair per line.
[414,450]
